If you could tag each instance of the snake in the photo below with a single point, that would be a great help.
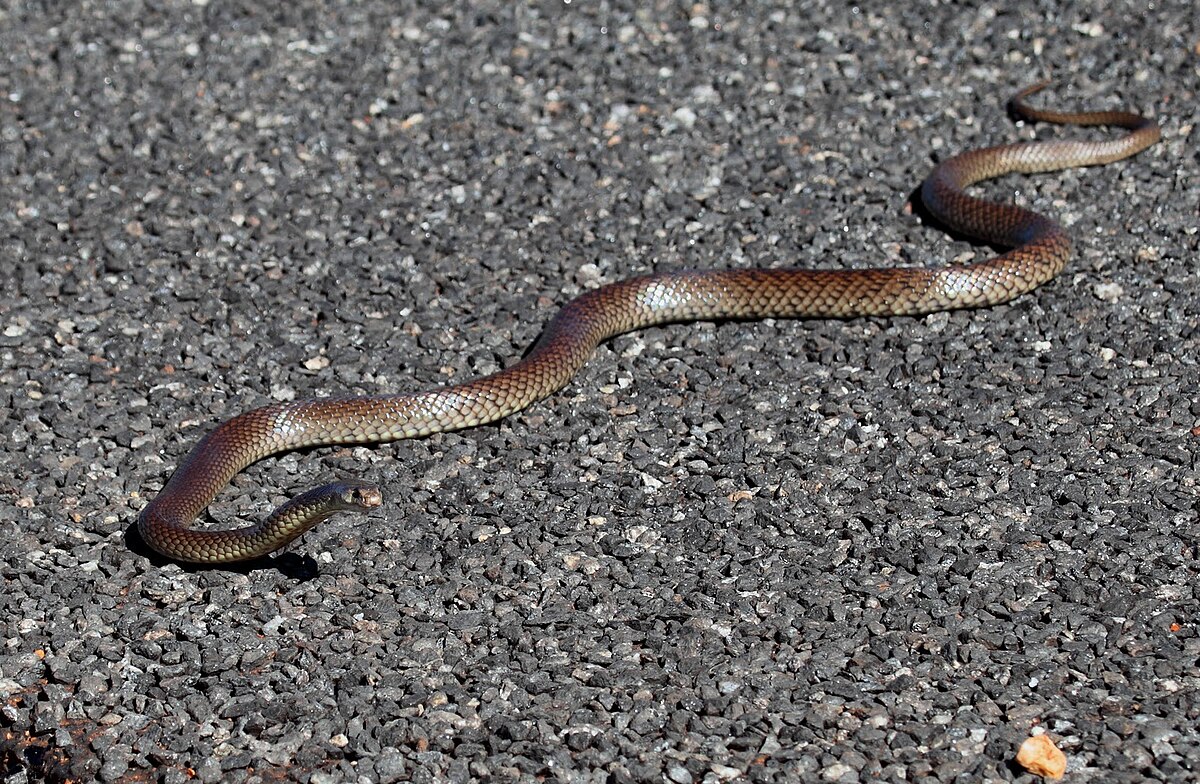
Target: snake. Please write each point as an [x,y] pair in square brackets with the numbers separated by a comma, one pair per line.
[1035,249]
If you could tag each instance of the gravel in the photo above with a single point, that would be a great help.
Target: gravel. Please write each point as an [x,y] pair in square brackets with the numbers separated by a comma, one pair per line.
[862,550]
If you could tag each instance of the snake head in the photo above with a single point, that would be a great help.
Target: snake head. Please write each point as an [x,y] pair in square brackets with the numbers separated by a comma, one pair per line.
[354,495]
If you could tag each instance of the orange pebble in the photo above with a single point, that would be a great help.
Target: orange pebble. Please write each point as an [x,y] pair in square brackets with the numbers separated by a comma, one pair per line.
[1040,756]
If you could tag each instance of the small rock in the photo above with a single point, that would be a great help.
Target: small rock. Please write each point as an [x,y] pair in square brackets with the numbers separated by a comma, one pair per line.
[1040,756]
[680,775]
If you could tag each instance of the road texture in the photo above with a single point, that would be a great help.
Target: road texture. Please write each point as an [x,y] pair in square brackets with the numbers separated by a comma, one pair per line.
[841,551]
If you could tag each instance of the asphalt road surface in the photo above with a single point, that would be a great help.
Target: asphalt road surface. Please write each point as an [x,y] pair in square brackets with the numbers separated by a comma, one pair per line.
[839,551]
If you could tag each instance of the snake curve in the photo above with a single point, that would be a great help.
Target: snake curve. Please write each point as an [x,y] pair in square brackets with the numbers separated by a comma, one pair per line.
[1038,250]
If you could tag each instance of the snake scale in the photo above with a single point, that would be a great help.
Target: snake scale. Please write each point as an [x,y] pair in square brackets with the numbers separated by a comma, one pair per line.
[1038,250]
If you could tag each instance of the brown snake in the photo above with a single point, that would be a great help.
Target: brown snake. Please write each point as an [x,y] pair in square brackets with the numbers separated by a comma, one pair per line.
[1039,250]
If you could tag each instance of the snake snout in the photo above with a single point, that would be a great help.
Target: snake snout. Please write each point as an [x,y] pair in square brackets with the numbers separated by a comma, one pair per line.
[368,497]
[355,495]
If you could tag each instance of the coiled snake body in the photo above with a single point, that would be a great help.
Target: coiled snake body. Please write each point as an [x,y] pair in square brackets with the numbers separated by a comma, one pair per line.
[1039,250]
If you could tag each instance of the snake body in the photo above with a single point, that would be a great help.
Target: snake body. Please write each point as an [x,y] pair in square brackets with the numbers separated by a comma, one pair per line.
[1039,249]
